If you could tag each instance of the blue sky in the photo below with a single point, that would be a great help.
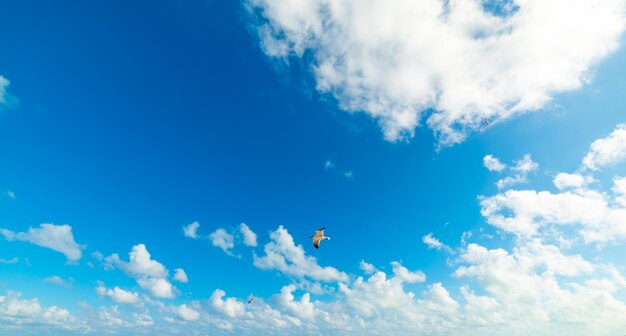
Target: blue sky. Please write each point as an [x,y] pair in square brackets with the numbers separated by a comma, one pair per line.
[127,122]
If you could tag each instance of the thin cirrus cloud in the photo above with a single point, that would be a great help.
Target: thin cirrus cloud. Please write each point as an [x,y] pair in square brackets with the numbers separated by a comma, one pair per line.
[55,237]
[57,280]
[408,69]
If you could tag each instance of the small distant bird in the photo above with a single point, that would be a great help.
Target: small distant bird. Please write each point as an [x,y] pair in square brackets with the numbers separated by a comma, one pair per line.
[319,236]
[250,300]
[485,122]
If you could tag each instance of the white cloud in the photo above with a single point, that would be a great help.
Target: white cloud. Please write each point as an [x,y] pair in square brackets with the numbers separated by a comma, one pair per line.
[367,267]
[180,275]
[13,260]
[222,239]
[619,188]
[57,280]
[329,164]
[529,212]
[249,237]
[285,301]
[191,230]
[597,216]
[492,163]
[395,61]
[523,291]
[56,237]
[348,174]
[282,254]
[16,312]
[564,181]
[607,151]
[434,243]
[4,83]
[405,275]
[229,307]
[119,295]
[522,168]
[150,274]
[187,313]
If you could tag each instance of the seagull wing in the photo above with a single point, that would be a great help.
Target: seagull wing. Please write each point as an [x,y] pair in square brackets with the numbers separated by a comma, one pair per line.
[316,242]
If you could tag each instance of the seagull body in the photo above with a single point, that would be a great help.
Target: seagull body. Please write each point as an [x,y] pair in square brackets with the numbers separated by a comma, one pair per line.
[319,236]
[250,300]
[486,122]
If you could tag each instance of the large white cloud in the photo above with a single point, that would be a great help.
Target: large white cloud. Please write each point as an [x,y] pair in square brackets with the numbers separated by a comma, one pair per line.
[282,254]
[56,237]
[15,311]
[397,60]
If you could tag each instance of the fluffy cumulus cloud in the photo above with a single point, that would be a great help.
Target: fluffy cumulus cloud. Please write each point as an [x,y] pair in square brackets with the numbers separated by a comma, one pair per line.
[17,313]
[191,230]
[607,151]
[55,237]
[150,274]
[492,163]
[222,239]
[230,307]
[367,268]
[283,255]
[119,295]
[249,237]
[180,275]
[566,180]
[187,313]
[597,216]
[401,62]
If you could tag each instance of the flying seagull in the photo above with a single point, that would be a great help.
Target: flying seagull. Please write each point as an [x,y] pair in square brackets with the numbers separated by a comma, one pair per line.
[319,236]
[250,300]
[485,122]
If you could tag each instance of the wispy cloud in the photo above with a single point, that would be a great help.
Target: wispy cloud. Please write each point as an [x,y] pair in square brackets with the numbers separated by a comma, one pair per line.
[55,237]
[434,243]
[191,230]
[57,280]
[13,260]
